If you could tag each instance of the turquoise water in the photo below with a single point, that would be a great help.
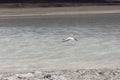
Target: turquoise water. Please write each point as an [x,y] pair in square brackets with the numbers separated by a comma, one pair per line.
[36,43]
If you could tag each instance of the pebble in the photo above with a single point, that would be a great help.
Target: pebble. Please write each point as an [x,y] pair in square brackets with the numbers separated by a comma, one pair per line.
[10,78]
[66,75]
[56,77]
[38,74]
[47,76]
[0,77]
[25,76]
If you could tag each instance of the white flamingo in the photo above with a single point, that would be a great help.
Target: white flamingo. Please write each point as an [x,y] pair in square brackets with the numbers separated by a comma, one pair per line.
[70,38]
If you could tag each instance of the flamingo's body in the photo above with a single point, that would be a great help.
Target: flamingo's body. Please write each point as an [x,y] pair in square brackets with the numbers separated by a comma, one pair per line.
[70,38]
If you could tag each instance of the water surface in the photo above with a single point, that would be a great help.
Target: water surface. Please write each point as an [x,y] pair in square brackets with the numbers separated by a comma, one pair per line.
[36,43]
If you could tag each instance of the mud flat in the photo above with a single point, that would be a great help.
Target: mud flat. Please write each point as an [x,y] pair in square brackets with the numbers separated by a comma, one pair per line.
[79,74]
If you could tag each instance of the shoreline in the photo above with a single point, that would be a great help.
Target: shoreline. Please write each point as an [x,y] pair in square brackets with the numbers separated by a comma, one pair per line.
[75,74]
[56,11]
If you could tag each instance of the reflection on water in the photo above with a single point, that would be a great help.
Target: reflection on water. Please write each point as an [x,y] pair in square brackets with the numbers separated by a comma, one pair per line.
[39,45]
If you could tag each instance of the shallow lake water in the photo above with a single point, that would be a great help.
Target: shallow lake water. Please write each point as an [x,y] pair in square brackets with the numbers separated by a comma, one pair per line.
[36,43]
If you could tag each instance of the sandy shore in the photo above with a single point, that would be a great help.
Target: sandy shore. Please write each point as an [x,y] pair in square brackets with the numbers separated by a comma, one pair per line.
[14,12]
[79,74]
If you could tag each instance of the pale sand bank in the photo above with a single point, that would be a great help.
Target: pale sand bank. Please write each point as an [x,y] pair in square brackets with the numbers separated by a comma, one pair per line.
[22,12]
